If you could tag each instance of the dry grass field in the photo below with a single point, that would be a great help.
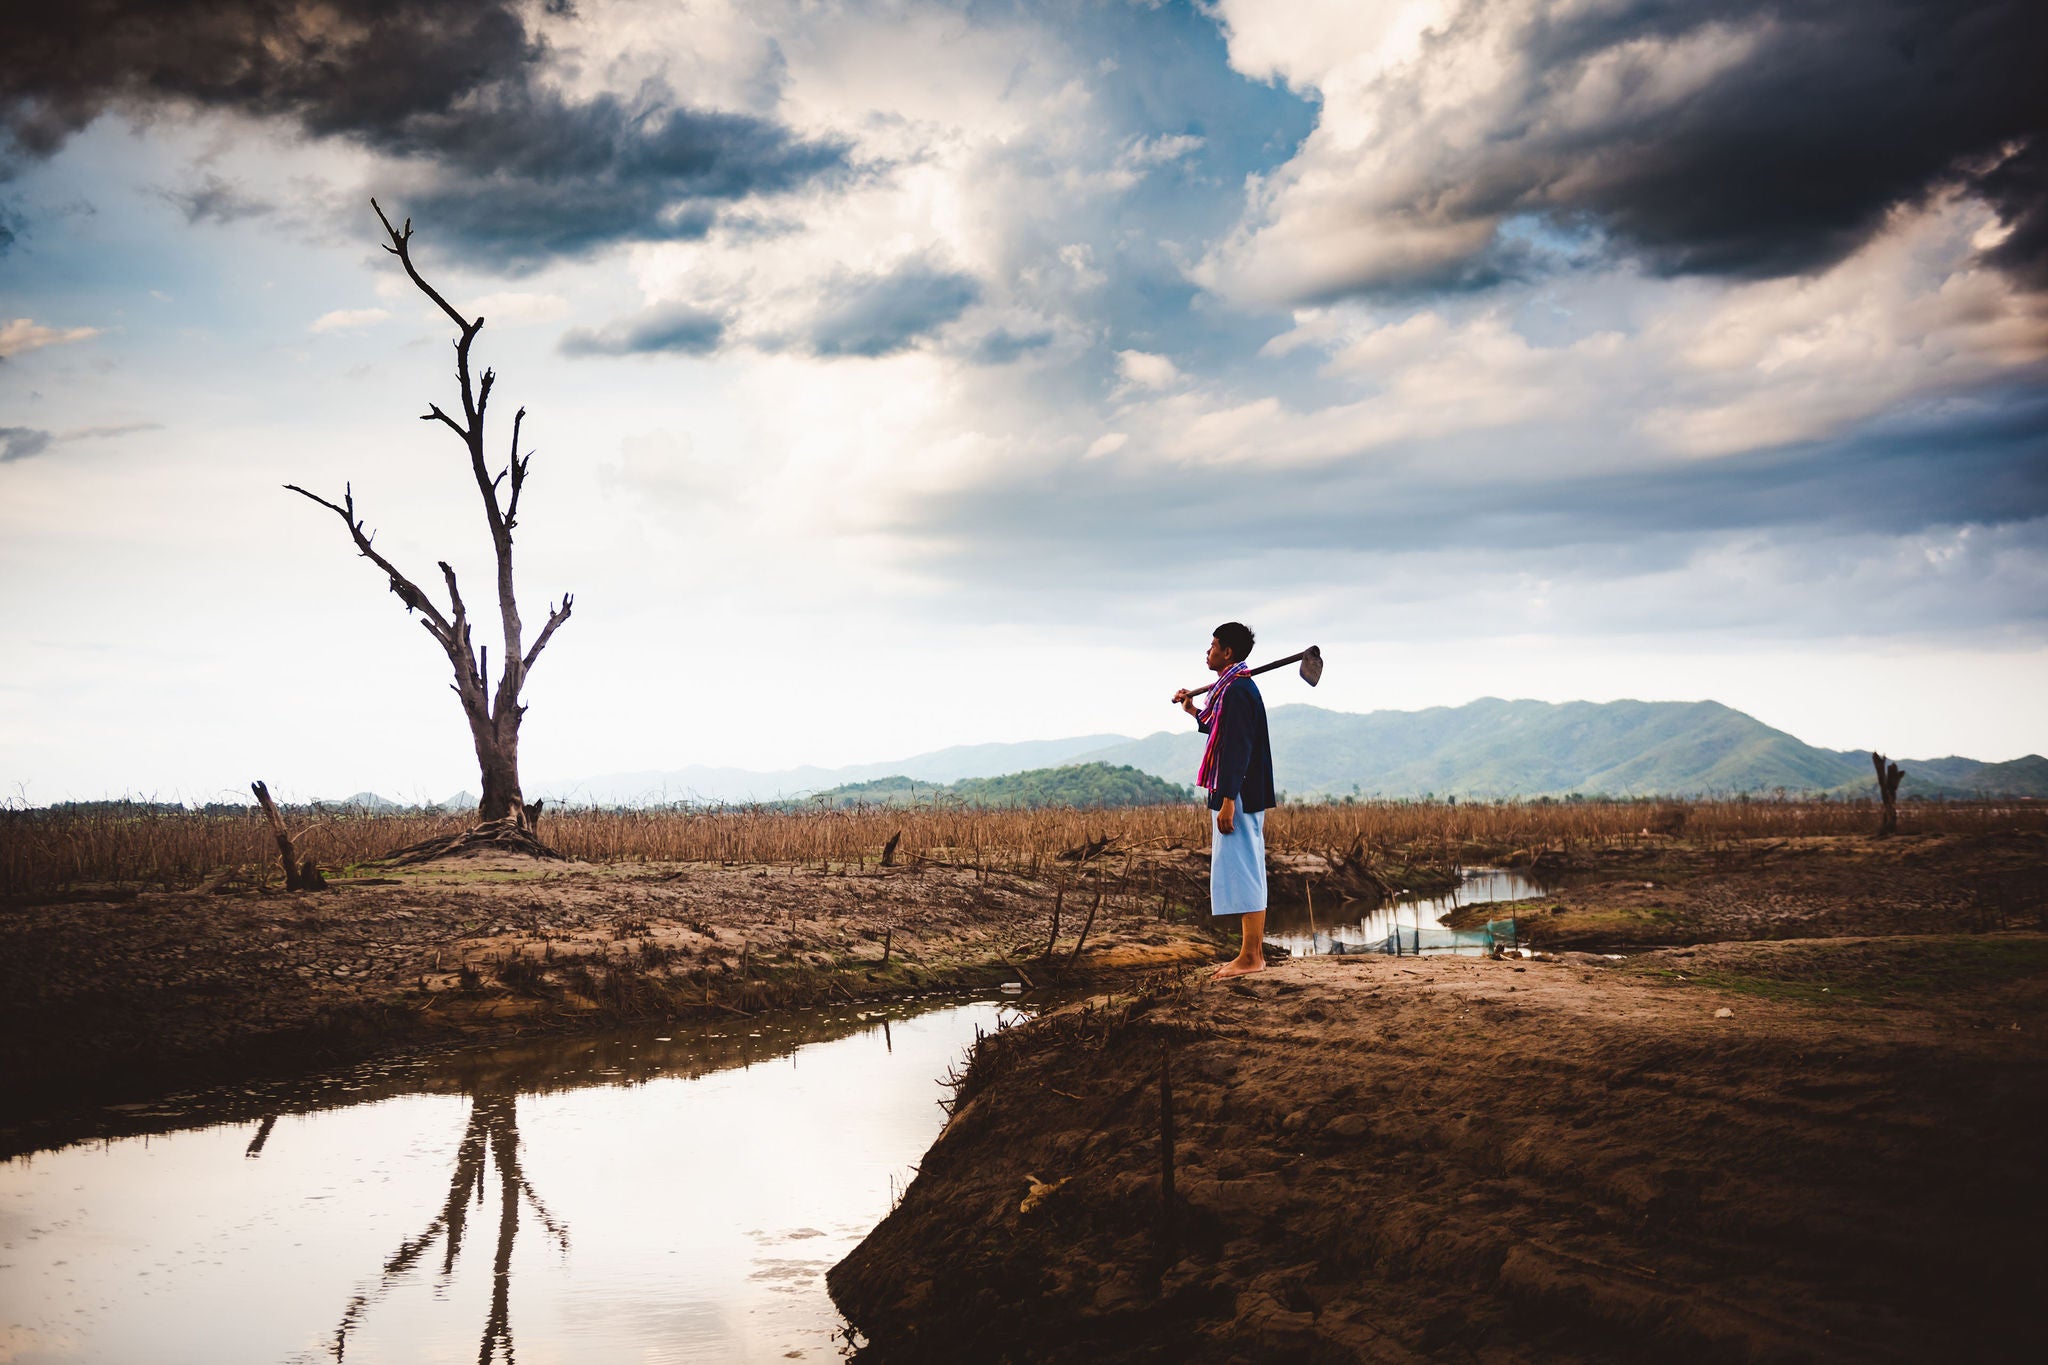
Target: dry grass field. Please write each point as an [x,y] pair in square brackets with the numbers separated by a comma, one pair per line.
[54,851]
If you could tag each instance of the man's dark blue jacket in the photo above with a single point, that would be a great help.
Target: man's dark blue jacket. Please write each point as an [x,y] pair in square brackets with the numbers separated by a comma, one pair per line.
[1244,756]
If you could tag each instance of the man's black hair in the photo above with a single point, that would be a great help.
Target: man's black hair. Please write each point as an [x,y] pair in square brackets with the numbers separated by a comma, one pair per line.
[1236,637]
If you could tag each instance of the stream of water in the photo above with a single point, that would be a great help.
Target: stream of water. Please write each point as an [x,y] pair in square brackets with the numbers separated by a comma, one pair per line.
[657,1194]
[1340,929]
[653,1195]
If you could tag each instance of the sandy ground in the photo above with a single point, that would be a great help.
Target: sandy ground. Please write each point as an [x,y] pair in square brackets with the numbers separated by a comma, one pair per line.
[1797,1150]
[122,997]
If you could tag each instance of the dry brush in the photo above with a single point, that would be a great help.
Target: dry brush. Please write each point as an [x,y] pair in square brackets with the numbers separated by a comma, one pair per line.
[60,851]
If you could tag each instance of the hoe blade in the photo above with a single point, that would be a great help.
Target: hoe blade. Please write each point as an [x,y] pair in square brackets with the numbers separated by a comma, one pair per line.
[1312,665]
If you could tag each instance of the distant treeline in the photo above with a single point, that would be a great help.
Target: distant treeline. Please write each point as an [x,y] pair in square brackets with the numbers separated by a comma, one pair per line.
[1085,786]
[134,808]
[129,806]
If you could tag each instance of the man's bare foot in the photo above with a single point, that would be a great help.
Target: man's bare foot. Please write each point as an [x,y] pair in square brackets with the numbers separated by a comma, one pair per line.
[1237,967]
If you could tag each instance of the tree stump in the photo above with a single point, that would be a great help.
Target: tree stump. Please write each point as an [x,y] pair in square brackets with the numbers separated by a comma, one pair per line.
[1888,775]
[300,874]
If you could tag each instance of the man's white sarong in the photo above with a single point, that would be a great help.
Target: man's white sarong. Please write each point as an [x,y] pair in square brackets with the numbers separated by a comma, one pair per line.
[1237,865]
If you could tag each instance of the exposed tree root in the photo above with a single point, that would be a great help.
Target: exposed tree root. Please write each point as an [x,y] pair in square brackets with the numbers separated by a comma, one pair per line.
[492,836]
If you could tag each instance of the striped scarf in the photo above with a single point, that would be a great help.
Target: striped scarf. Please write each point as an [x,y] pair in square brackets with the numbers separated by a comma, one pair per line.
[1212,716]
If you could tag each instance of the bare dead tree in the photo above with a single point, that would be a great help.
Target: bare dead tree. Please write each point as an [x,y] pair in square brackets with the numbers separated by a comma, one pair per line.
[494,714]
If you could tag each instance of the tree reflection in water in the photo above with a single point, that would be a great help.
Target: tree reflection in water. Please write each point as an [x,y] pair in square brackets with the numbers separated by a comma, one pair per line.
[263,1131]
[494,1129]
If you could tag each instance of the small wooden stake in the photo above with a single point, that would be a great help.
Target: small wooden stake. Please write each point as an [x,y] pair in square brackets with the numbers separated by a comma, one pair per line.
[1053,942]
[887,935]
[1088,924]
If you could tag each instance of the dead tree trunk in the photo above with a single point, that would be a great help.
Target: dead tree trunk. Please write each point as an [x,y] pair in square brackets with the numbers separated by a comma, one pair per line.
[1888,776]
[299,875]
[494,713]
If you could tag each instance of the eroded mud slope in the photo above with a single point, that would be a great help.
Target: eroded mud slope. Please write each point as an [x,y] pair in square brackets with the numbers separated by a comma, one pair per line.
[1458,1159]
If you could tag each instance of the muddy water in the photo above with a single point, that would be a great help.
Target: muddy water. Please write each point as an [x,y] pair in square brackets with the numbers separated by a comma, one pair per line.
[1340,928]
[659,1195]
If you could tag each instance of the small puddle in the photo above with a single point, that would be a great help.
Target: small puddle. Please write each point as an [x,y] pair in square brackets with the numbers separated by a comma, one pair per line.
[1407,924]
[656,1194]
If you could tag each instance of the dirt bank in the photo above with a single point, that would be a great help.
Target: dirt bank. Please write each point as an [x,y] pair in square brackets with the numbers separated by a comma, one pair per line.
[1797,1150]
[128,994]
[1677,892]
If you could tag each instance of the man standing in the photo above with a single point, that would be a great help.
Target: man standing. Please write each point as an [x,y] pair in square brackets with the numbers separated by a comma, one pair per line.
[1237,768]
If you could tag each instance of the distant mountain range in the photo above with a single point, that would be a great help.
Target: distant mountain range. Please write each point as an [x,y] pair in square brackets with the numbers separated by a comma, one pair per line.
[1073,784]
[1494,748]
[702,784]
[461,801]
[1487,748]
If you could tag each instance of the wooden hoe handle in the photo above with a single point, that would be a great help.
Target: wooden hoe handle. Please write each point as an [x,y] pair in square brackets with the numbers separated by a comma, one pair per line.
[1254,672]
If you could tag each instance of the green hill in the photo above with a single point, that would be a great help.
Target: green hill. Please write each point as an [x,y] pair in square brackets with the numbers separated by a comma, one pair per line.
[1495,748]
[1082,784]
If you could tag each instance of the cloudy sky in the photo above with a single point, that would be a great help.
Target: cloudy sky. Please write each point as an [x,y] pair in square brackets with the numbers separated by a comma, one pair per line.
[910,373]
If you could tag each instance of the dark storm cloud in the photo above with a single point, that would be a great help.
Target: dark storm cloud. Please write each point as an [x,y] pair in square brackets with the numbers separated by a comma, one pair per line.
[520,172]
[876,315]
[676,331]
[2019,186]
[361,67]
[1847,108]
[1782,163]
[108,432]
[1983,462]
[18,443]
[526,175]
[213,199]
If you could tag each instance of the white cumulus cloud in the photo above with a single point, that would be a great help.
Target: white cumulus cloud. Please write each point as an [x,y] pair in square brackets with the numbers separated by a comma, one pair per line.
[22,335]
[1142,369]
[344,319]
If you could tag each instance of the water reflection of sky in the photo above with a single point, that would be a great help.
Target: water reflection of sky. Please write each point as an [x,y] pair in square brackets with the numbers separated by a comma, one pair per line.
[700,1214]
[1344,926]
